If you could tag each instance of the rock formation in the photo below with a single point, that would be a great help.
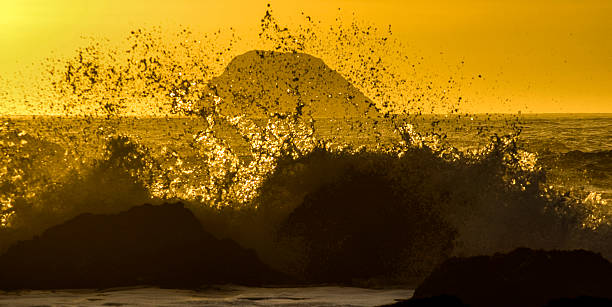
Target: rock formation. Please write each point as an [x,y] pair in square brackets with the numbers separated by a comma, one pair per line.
[147,245]
[261,83]
[523,277]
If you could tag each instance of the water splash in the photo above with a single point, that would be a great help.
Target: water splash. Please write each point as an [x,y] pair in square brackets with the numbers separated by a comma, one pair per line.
[256,134]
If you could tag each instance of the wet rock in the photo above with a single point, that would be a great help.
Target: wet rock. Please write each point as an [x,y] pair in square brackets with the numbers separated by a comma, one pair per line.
[523,277]
[581,301]
[146,245]
[359,230]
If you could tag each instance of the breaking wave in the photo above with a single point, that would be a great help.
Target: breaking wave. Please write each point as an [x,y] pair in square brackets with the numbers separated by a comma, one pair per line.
[288,156]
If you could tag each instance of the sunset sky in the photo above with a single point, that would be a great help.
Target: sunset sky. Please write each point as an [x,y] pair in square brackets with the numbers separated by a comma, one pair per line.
[534,56]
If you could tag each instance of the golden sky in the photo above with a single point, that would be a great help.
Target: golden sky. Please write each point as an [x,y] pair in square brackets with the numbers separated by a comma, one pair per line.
[535,56]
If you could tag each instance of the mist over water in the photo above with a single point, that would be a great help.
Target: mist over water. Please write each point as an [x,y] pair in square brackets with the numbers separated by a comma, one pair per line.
[320,158]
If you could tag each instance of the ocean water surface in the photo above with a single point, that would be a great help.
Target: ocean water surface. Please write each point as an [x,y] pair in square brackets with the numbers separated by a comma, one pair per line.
[48,161]
[316,157]
[214,296]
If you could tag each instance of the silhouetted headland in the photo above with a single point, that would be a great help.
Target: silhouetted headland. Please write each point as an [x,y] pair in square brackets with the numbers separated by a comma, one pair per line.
[161,245]
[260,83]
[523,277]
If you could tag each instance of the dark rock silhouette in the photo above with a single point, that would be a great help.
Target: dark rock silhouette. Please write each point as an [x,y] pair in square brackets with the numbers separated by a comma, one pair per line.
[260,83]
[452,301]
[147,245]
[581,301]
[359,229]
[523,277]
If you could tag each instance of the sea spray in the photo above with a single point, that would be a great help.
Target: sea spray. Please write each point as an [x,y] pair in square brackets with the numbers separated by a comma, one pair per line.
[248,154]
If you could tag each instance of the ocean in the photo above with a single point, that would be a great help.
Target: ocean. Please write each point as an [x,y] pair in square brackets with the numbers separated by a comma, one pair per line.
[312,166]
[214,296]
[54,168]
[575,149]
